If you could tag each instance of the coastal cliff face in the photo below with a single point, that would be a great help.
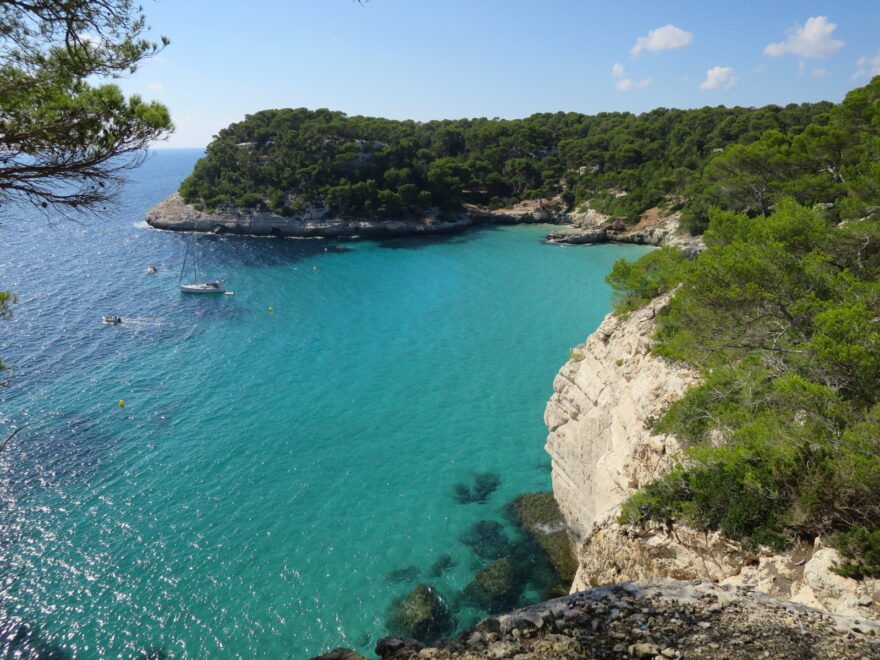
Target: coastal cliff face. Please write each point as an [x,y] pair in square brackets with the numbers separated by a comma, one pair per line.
[174,214]
[603,400]
[602,451]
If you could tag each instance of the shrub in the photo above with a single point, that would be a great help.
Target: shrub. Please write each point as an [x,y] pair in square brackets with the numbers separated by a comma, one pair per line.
[861,548]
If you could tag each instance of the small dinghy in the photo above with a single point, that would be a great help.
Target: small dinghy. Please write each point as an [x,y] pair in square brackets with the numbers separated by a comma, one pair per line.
[112,319]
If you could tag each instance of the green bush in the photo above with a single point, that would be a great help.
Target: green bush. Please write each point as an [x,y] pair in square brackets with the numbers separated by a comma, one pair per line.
[861,548]
[636,282]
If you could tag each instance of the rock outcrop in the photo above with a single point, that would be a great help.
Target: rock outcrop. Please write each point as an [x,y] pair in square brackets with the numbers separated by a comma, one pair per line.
[655,619]
[654,229]
[602,451]
[174,214]
[802,574]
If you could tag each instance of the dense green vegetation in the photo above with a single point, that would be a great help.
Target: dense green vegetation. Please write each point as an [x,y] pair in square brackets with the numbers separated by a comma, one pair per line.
[284,160]
[780,316]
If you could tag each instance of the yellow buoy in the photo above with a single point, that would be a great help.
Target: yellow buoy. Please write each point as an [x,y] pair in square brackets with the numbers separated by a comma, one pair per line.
[270,309]
[325,249]
[121,403]
[314,268]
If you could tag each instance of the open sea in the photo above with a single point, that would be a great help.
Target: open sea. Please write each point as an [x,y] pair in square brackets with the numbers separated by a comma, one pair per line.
[280,451]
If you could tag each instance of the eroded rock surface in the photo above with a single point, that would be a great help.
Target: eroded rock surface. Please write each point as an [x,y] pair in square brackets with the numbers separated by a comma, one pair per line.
[656,619]
[174,214]
[604,399]
[602,452]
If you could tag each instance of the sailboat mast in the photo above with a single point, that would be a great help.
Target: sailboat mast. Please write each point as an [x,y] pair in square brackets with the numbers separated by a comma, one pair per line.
[183,265]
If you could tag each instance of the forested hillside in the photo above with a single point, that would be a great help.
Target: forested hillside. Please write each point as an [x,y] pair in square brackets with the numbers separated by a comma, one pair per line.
[781,315]
[283,160]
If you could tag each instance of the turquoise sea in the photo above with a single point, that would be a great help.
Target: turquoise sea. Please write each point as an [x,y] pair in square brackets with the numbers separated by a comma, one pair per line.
[269,468]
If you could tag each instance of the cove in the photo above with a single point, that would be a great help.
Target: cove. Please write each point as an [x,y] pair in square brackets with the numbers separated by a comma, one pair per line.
[270,469]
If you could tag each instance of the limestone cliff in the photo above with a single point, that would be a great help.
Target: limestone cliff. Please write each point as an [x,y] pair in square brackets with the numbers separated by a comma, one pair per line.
[175,214]
[603,399]
[601,450]
[318,221]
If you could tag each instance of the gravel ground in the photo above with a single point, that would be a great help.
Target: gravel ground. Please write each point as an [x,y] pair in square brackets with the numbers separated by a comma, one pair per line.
[655,619]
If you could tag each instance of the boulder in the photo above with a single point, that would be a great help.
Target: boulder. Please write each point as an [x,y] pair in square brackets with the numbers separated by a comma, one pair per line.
[538,515]
[486,538]
[495,588]
[422,615]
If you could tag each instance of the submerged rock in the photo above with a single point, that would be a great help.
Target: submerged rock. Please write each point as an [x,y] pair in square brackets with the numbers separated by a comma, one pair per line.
[422,615]
[340,654]
[19,639]
[538,515]
[486,538]
[407,574]
[152,654]
[484,484]
[495,588]
[441,566]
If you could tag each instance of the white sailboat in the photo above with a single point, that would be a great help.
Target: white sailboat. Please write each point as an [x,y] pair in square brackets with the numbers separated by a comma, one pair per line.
[196,286]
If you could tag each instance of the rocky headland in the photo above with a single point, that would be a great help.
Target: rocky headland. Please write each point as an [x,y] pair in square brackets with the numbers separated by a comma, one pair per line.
[174,214]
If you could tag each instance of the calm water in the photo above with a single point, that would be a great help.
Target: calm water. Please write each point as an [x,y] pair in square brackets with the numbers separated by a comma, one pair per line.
[269,468]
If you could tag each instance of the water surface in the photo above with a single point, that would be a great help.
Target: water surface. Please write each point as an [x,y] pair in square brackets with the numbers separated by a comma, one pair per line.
[269,468]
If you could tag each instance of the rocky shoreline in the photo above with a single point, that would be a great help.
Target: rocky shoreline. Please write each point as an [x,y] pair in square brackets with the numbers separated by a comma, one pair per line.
[656,619]
[173,214]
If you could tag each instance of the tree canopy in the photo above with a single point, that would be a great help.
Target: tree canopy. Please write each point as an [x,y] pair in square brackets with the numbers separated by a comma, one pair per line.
[618,163]
[65,142]
[780,316]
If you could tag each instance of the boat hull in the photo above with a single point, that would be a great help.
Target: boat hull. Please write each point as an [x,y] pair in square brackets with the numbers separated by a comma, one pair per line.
[202,288]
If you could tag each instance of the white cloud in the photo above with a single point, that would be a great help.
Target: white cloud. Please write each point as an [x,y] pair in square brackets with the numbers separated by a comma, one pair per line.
[617,70]
[87,38]
[761,68]
[820,73]
[813,40]
[628,85]
[867,67]
[720,77]
[667,37]
[155,86]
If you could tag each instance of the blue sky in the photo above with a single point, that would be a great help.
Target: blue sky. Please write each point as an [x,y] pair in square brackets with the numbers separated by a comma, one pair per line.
[432,59]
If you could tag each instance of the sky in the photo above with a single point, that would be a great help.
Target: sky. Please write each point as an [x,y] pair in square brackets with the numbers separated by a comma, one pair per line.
[449,59]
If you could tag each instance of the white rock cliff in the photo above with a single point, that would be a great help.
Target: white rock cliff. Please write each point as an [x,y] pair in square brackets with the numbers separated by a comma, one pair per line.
[602,451]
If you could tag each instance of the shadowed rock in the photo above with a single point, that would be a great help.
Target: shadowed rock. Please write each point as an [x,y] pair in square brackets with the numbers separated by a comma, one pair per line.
[484,484]
[486,538]
[538,515]
[421,615]
[439,567]
[407,574]
[495,588]
[340,654]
